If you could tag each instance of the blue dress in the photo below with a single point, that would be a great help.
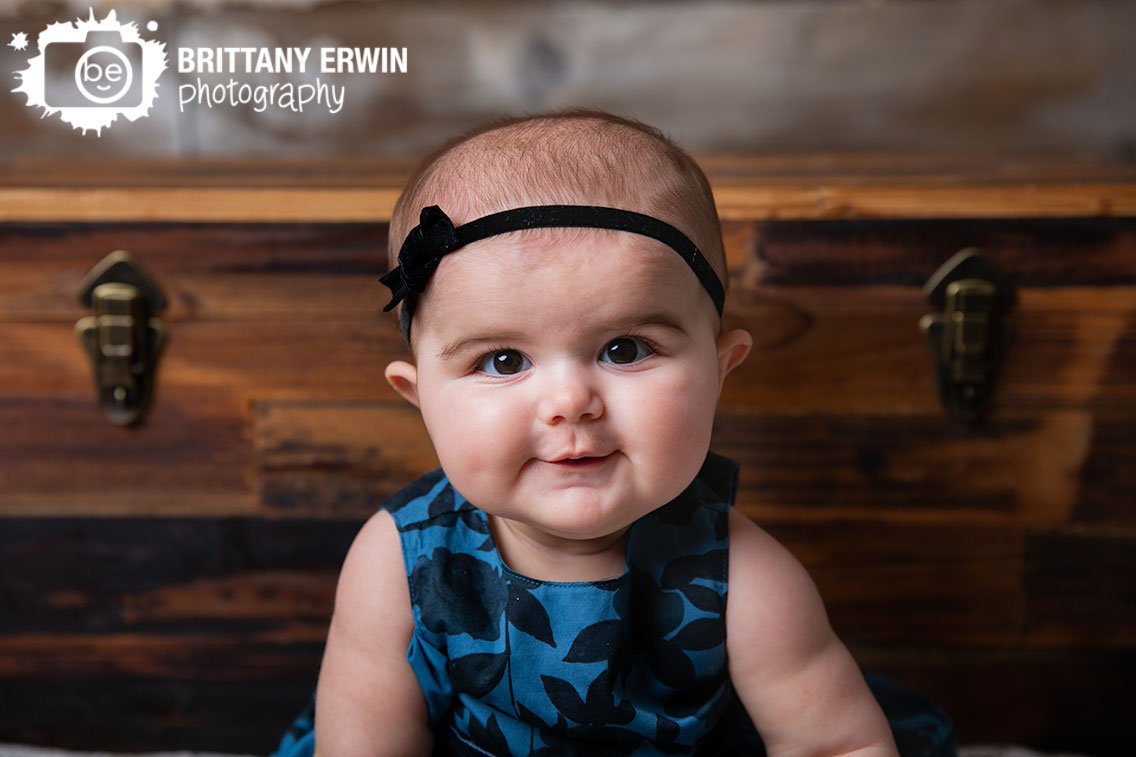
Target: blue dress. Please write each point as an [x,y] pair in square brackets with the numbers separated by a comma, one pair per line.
[634,665]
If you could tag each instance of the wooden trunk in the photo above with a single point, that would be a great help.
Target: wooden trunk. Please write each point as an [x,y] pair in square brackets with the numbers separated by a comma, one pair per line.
[169,586]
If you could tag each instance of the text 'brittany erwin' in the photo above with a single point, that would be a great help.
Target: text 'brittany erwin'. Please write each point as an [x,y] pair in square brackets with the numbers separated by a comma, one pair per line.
[291,60]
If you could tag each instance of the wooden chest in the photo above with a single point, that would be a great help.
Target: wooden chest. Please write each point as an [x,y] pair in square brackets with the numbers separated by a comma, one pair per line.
[169,585]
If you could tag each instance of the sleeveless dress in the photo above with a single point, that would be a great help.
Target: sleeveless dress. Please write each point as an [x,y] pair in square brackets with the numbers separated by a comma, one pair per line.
[634,665]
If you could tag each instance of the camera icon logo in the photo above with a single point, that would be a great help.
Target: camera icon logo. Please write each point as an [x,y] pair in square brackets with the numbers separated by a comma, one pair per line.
[92,71]
[104,67]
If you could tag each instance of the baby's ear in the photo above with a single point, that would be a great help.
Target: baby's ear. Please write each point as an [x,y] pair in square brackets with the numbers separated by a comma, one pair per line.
[403,377]
[733,347]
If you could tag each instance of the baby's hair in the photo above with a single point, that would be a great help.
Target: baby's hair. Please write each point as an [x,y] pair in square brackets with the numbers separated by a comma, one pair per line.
[571,157]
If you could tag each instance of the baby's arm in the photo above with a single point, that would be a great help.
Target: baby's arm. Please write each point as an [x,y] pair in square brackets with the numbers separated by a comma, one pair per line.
[796,679]
[368,701]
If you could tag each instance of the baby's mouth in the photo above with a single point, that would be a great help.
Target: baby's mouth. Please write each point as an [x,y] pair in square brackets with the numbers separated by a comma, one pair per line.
[583,462]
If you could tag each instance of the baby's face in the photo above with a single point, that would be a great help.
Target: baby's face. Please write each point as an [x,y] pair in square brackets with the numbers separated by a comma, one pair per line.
[568,380]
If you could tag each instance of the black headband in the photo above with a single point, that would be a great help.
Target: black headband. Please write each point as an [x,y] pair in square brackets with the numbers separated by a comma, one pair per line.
[435,236]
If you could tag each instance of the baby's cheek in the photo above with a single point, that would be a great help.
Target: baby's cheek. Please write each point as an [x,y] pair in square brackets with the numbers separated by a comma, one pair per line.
[675,420]
[488,436]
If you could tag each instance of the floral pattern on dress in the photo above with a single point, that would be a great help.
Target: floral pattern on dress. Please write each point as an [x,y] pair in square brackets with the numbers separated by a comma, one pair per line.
[634,665]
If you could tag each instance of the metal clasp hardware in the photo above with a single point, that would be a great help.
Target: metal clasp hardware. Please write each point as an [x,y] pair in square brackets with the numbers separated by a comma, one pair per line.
[970,337]
[123,338]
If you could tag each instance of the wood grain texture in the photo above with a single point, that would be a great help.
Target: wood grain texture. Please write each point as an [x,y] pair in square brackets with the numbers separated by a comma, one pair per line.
[1022,470]
[954,585]
[179,576]
[1069,701]
[126,633]
[342,458]
[168,575]
[1030,251]
[131,713]
[1081,587]
[816,349]
[1108,477]
[366,191]
[60,455]
[329,459]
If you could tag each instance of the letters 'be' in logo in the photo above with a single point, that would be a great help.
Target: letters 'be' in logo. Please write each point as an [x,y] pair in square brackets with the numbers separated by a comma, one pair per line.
[107,69]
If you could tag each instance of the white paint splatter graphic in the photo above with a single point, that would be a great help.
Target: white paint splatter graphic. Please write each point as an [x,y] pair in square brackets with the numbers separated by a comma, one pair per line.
[19,41]
[108,71]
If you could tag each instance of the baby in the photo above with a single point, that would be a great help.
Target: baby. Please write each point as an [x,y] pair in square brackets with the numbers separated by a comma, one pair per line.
[559,585]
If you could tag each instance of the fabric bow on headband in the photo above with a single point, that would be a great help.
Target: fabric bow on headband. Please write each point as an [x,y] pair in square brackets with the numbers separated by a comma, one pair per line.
[425,246]
[435,237]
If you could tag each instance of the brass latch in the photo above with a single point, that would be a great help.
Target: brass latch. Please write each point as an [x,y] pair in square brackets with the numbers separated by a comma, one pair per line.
[123,338]
[970,337]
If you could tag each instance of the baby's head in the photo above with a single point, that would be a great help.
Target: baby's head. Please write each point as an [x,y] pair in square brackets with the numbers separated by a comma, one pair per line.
[572,158]
[575,367]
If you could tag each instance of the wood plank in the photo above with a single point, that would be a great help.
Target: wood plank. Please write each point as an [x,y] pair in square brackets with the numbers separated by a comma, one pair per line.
[954,584]
[133,714]
[855,347]
[198,633]
[1108,477]
[752,201]
[363,171]
[329,172]
[225,271]
[220,271]
[1071,252]
[842,348]
[240,360]
[213,205]
[346,440]
[1065,701]
[1032,252]
[905,201]
[1081,587]
[35,192]
[823,349]
[202,657]
[104,581]
[939,168]
[166,620]
[1020,469]
[44,263]
[331,459]
[110,583]
[1055,700]
[61,455]
[336,458]
[341,459]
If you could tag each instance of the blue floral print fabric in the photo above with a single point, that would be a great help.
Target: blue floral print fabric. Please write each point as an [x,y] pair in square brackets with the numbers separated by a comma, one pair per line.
[634,665]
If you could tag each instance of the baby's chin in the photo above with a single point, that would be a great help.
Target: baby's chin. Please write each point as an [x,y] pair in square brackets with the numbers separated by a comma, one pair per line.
[581,514]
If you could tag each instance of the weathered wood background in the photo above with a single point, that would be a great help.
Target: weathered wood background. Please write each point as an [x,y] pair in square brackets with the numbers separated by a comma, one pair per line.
[169,586]
[974,76]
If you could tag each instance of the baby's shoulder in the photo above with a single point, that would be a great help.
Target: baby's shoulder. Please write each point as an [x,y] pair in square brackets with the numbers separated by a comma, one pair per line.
[769,588]
[372,578]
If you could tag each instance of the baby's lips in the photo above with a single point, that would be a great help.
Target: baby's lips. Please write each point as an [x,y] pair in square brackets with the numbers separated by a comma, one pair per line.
[580,458]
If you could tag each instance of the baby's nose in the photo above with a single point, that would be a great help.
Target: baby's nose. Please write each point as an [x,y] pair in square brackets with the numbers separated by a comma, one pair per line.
[570,396]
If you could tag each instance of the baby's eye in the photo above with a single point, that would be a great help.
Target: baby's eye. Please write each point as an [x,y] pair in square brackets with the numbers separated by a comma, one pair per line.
[626,350]
[504,363]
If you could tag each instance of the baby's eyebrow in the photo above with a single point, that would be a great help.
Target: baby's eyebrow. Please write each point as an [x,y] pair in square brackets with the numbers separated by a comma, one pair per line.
[664,320]
[459,344]
[652,319]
